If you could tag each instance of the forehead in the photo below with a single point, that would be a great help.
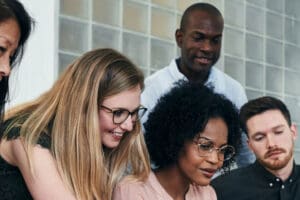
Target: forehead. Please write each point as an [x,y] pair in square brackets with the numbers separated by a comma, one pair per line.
[204,21]
[216,130]
[265,121]
[9,31]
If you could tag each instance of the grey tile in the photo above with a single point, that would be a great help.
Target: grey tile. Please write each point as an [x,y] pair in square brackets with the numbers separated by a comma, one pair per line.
[292,80]
[275,5]
[161,53]
[292,57]
[293,104]
[292,30]
[73,36]
[136,48]
[235,68]
[107,12]
[254,75]
[292,8]
[274,25]
[76,8]
[254,47]
[274,79]
[255,19]
[253,94]
[64,61]
[234,42]
[105,37]
[274,52]
[260,3]
[235,13]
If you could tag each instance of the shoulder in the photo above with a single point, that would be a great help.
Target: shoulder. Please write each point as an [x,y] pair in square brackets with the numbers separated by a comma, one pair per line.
[202,192]
[228,80]
[129,188]
[233,176]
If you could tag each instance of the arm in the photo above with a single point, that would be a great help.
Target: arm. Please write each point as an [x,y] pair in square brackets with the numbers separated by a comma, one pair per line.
[46,184]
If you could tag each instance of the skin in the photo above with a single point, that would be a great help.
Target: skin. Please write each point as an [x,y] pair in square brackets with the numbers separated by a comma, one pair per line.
[111,134]
[200,44]
[191,167]
[272,141]
[45,176]
[9,40]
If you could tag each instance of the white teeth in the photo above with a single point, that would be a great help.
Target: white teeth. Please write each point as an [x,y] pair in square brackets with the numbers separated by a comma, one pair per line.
[118,134]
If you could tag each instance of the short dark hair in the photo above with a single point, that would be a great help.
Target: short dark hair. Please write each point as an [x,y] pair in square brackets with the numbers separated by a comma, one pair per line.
[260,105]
[13,9]
[180,115]
[206,7]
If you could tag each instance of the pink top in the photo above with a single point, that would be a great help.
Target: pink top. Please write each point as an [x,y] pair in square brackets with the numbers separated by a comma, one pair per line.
[152,190]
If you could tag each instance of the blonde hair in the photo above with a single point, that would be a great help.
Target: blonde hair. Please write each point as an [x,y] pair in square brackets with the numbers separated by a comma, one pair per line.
[68,112]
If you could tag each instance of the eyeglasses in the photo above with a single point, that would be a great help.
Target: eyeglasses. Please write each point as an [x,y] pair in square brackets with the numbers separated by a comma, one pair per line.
[120,115]
[206,147]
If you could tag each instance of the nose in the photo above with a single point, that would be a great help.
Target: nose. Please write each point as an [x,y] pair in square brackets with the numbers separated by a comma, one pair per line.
[270,141]
[4,66]
[206,46]
[127,124]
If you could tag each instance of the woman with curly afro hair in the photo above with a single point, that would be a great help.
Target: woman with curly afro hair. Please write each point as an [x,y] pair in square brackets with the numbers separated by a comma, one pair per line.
[191,134]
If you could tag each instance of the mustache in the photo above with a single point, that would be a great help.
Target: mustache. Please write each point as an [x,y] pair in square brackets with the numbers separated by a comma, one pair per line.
[274,150]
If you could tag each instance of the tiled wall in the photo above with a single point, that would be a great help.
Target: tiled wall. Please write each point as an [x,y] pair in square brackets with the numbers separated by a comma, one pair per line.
[261,44]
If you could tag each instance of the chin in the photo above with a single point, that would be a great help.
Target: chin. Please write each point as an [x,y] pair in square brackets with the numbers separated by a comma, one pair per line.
[111,145]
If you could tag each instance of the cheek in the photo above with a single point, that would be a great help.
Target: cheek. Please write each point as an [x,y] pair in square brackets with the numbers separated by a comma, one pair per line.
[105,123]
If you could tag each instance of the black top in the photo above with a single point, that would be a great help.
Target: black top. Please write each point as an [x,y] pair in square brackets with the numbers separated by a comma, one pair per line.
[256,183]
[12,184]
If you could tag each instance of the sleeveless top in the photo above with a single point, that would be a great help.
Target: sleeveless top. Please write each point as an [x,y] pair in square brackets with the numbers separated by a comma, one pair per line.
[12,184]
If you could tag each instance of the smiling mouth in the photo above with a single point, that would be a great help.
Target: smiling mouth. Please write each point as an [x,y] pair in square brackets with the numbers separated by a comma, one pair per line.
[203,60]
[117,135]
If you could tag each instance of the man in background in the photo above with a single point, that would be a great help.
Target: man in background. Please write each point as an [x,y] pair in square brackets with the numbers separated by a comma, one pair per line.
[199,38]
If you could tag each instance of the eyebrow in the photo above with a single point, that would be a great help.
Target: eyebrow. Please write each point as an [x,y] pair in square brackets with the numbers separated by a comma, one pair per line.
[212,141]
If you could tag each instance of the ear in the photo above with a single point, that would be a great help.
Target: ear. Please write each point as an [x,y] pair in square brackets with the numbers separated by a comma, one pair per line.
[249,144]
[179,37]
[294,131]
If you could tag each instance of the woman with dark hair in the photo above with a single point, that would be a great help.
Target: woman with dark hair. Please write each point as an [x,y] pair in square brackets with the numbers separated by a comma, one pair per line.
[15,28]
[190,134]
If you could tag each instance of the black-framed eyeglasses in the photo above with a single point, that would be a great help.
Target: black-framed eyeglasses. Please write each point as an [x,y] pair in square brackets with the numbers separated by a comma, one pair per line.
[121,114]
[206,147]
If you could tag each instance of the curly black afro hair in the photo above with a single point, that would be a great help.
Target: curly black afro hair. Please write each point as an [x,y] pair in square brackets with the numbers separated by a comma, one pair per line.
[180,115]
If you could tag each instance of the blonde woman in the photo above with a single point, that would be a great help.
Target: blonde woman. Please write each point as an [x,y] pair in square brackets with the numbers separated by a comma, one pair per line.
[77,140]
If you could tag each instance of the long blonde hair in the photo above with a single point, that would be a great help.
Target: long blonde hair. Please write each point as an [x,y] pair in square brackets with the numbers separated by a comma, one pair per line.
[68,112]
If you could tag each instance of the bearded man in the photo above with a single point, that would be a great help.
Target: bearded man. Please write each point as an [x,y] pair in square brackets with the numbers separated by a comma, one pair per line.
[271,137]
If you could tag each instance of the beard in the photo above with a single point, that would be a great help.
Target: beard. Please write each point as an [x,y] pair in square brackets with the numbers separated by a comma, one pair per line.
[276,164]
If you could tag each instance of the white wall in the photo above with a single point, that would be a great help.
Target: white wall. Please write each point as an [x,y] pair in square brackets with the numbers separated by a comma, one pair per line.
[37,71]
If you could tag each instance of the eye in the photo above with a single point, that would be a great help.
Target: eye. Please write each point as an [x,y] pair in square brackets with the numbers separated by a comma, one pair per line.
[198,37]
[258,137]
[206,146]
[278,132]
[2,49]
[119,113]
[216,40]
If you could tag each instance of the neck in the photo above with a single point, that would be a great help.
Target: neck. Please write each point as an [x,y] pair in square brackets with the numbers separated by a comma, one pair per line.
[196,77]
[285,172]
[174,183]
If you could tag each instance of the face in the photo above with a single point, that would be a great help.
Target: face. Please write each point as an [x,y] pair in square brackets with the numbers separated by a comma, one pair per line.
[200,43]
[199,169]
[271,139]
[9,39]
[111,134]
